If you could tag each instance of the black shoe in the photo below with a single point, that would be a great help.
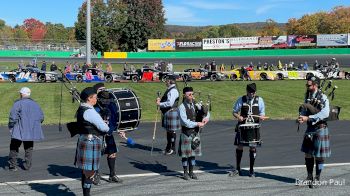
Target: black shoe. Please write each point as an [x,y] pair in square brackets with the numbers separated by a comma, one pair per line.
[252,174]
[193,176]
[26,166]
[185,176]
[115,179]
[235,172]
[309,180]
[13,168]
[96,179]
[169,152]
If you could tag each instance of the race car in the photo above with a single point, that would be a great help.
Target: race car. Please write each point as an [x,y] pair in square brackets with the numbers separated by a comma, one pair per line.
[271,75]
[29,74]
[147,74]
[93,75]
[201,74]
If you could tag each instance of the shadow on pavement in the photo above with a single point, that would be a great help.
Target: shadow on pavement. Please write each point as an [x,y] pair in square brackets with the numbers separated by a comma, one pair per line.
[207,166]
[275,177]
[142,147]
[52,189]
[153,167]
[66,171]
[3,162]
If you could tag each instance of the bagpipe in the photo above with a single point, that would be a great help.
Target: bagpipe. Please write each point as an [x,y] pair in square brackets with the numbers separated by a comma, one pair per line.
[202,108]
[314,105]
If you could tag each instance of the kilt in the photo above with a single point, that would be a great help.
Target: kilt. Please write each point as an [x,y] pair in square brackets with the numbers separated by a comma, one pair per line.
[185,150]
[88,153]
[317,143]
[111,147]
[171,120]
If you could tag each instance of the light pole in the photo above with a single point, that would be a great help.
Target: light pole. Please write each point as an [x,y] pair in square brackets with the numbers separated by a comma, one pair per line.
[88,32]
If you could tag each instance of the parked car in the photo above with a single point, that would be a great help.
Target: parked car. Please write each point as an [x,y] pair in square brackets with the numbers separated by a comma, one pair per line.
[272,75]
[29,74]
[93,75]
[201,74]
[147,74]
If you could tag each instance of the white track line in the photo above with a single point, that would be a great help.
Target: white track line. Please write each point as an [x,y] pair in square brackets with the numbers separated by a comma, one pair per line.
[158,174]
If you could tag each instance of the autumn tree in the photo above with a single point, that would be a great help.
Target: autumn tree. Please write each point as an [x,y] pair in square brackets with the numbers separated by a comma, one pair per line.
[336,21]
[20,35]
[6,32]
[35,29]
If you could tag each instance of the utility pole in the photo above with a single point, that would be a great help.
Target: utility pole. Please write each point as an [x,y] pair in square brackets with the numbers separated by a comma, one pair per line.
[88,32]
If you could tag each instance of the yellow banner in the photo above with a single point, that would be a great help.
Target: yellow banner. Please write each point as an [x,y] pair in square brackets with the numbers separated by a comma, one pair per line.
[115,55]
[161,44]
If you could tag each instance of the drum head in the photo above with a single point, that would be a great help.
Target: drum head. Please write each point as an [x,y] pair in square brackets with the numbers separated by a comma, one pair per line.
[124,107]
[129,109]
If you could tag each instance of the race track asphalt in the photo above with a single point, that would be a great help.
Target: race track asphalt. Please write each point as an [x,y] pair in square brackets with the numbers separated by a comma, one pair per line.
[279,163]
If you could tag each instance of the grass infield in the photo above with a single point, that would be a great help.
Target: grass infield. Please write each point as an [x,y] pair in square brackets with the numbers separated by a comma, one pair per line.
[282,98]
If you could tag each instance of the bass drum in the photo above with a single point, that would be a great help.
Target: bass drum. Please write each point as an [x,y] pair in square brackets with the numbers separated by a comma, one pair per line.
[124,111]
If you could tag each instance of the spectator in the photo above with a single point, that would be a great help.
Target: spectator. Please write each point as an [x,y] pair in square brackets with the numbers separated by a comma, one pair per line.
[76,66]
[25,121]
[109,68]
[266,67]
[68,68]
[232,66]
[306,66]
[43,66]
[126,66]
[170,67]
[53,66]
[85,67]
[21,65]
[222,67]
[259,67]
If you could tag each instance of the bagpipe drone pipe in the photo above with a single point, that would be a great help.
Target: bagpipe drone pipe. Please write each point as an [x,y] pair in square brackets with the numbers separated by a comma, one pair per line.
[314,105]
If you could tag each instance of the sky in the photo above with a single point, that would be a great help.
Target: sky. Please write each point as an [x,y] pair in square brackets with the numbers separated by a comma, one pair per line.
[177,12]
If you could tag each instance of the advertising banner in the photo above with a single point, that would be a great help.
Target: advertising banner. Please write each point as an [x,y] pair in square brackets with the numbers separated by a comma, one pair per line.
[332,40]
[301,40]
[273,42]
[161,44]
[216,43]
[188,44]
[244,42]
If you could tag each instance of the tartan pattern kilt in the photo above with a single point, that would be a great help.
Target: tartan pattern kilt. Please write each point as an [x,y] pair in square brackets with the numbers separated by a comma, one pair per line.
[185,149]
[111,146]
[171,120]
[88,153]
[318,144]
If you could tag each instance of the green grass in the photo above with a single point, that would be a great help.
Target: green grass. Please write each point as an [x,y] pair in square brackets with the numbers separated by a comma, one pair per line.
[282,98]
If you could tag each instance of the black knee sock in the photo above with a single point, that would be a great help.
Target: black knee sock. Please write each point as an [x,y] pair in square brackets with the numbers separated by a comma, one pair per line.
[191,163]
[111,165]
[309,162]
[238,158]
[252,155]
[168,138]
[319,167]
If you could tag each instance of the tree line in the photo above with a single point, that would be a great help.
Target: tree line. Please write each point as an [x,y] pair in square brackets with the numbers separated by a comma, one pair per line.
[126,25]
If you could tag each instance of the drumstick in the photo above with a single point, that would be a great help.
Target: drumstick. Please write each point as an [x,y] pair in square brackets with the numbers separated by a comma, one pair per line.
[263,117]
